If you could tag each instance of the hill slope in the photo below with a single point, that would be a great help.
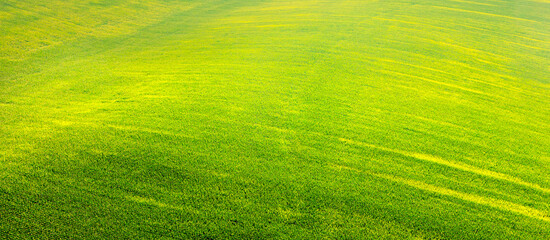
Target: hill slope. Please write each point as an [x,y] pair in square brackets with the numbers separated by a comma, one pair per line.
[275,119]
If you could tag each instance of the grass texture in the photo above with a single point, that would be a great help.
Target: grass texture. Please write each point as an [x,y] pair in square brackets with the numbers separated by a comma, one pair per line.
[272,119]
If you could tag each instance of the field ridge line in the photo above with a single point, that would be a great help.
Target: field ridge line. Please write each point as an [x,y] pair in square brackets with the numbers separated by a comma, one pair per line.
[487,201]
[484,13]
[452,164]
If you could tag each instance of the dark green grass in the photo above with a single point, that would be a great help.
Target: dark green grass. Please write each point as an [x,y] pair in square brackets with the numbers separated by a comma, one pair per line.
[273,119]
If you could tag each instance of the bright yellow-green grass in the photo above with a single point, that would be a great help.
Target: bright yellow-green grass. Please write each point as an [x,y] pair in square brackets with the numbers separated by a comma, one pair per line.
[271,119]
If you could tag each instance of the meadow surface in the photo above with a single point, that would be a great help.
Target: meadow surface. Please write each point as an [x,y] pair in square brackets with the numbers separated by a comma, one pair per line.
[272,119]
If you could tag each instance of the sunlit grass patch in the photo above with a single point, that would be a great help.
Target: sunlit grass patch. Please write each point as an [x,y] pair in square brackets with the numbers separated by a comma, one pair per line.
[274,119]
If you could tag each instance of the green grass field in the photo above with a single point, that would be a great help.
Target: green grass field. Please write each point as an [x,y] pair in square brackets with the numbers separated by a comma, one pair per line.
[272,119]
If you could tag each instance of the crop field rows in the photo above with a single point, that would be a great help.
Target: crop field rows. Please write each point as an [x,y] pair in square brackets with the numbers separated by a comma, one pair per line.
[268,119]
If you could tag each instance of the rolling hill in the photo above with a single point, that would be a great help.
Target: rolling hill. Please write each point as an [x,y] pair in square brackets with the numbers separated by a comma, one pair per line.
[272,119]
